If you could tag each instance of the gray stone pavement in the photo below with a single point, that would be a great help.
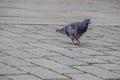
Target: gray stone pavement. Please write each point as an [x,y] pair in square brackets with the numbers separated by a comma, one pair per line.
[30,49]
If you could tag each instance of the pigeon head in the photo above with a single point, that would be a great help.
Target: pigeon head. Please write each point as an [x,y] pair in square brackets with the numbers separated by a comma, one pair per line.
[87,21]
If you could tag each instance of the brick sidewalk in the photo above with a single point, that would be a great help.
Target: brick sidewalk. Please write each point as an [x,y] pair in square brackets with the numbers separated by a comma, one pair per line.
[30,49]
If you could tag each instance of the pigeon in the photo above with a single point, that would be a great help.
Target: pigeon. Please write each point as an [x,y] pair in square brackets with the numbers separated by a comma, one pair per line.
[75,30]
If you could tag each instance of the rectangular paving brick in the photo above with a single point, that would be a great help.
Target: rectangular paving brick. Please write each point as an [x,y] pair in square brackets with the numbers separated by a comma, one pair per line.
[66,60]
[117,72]
[19,53]
[36,36]
[14,61]
[108,58]
[91,60]
[3,78]
[44,73]
[96,47]
[67,70]
[102,43]
[113,53]
[99,72]
[88,51]
[73,54]
[40,52]
[3,54]
[8,34]
[116,48]
[6,69]
[116,62]
[23,39]
[2,46]
[19,45]
[109,66]
[5,40]
[46,63]
[83,77]
[23,77]
[46,33]
[59,42]
[49,46]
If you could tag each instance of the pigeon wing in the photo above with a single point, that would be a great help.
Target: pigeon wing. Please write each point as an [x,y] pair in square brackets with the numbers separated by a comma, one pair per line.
[71,31]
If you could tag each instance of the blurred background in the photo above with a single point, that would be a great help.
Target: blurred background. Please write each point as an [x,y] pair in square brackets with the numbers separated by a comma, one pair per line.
[59,12]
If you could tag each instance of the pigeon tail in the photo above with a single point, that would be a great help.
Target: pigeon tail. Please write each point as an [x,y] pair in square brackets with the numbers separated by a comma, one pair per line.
[60,30]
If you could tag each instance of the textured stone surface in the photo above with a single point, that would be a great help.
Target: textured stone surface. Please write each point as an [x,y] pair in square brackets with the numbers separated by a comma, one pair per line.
[30,49]
[6,69]
[99,72]
[84,77]
[14,61]
[67,70]
[109,66]
[43,73]
[23,77]
[46,63]
[3,78]
[66,60]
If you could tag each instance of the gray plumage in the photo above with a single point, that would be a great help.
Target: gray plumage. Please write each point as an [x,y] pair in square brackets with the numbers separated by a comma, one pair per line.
[75,30]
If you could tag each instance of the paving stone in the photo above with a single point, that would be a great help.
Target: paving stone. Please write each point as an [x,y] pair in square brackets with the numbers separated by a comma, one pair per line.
[46,33]
[111,40]
[115,28]
[13,29]
[19,53]
[4,40]
[66,70]
[8,34]
[109,66]
[3,78]
[118,72]
[103,43]
[27,35]
[116,48]
[66,60]
[40,52]
[91,60]
[3,54]
[59,42]
[36,36]
[27,40]
[83,77]
[14,61]
[108,58]
[88,51]
[2,46]
[63,39]
[50,47]
[46,63]
[19,45]
[42,73]
[23,77]
[115,62]
[5,69]
[99,72]
[113,53]
[96,47]
[72,54]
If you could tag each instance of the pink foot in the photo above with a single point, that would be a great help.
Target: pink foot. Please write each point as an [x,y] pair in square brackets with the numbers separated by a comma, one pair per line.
[76,42]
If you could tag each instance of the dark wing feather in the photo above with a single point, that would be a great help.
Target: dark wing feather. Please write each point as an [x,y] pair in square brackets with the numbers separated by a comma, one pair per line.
[71,31]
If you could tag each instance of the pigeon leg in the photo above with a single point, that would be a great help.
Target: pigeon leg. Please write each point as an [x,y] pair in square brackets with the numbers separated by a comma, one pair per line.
[75,42]
[78,42]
